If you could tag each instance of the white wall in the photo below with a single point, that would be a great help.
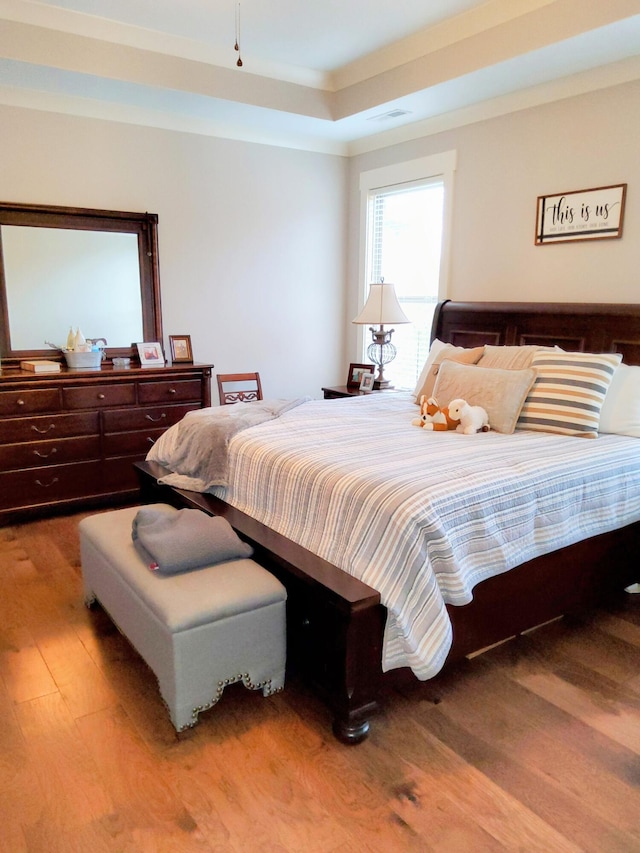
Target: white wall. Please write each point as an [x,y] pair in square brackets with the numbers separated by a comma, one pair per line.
[252,238]
[504,164]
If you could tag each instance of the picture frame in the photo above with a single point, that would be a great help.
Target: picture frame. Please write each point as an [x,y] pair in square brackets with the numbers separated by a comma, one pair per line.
[181,348]
[366,382]
[151,354]
[592,214]
[355,374]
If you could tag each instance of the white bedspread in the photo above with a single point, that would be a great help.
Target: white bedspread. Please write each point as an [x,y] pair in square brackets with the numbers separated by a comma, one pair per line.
[423,516]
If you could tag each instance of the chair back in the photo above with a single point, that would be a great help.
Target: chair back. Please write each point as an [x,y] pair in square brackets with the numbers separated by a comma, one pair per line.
[238,387]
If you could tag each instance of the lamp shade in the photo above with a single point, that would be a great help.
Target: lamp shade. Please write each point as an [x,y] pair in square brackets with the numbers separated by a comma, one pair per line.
[382,307]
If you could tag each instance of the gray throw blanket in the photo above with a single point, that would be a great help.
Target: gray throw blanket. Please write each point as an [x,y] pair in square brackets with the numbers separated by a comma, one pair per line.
[186,539]
[195,449]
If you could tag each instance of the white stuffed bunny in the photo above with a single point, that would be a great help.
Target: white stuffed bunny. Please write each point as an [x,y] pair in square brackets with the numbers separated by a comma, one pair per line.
[472,418]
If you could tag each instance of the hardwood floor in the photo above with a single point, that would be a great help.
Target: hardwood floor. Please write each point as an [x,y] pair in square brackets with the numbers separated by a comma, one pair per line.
[534,746]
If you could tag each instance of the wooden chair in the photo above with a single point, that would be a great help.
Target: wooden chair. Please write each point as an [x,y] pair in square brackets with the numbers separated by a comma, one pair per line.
[238,387]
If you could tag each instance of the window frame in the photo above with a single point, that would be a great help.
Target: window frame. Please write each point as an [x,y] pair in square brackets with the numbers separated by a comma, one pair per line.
[441,166]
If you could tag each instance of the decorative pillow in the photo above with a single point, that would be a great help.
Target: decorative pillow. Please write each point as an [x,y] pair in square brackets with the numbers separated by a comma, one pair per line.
[500,392]
[446,353]
[508,358]
[434,349]
[569,391]
[621,408]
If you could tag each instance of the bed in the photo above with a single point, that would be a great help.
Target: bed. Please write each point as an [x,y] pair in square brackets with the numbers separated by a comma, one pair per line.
[491,575]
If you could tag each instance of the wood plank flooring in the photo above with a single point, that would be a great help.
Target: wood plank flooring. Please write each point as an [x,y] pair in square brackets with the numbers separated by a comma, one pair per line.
[534,746]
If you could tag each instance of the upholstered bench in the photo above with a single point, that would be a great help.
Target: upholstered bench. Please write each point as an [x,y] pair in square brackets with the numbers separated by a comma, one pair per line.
[198,631]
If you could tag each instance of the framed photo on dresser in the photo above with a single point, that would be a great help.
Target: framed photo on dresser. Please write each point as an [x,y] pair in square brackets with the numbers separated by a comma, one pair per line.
[180,348]
[151,354]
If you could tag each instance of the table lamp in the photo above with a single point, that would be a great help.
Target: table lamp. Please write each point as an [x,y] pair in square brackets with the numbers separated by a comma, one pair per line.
[381,308]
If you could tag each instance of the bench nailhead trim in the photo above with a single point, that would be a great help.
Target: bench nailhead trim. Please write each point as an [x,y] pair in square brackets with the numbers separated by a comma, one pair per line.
[248,683]
[244,678]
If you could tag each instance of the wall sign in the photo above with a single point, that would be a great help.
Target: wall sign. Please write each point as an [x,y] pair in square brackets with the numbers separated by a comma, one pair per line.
[595,214]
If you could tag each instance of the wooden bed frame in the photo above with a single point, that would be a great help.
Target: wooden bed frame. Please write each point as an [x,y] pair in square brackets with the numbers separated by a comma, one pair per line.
[335,623]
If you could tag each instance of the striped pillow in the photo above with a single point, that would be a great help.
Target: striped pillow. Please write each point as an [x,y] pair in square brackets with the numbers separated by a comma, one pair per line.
[568,393]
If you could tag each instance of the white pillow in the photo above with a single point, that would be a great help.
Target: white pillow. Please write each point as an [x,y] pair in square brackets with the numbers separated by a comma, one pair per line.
[620,412]
[436,346]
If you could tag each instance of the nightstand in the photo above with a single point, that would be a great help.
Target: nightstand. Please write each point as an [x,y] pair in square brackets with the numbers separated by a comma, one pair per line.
[337,391]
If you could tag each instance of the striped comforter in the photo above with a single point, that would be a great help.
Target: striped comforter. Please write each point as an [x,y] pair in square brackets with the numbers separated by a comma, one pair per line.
[423,516]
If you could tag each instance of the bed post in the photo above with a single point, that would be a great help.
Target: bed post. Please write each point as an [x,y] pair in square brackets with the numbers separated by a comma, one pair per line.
[358,697]
[435,324]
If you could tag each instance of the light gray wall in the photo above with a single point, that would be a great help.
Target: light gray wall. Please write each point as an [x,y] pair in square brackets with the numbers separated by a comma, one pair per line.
[504,164]
[252,238]
[258,259]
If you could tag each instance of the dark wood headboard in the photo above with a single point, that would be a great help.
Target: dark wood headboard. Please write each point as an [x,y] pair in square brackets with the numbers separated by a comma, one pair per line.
[576,327]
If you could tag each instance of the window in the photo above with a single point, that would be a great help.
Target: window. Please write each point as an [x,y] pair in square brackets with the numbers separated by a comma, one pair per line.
[405,236]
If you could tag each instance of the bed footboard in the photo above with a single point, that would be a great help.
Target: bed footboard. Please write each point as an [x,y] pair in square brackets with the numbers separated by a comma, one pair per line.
[335,622]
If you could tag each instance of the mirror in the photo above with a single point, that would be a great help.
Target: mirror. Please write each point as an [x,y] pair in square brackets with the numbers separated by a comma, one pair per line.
[91,269]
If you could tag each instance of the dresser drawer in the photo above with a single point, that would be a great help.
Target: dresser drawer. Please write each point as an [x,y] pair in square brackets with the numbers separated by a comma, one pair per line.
[37,486]
[55,452]
[98,396]
[48,426]
[25,402]
[159,392]
[122,420]
[119,475]
[127,443]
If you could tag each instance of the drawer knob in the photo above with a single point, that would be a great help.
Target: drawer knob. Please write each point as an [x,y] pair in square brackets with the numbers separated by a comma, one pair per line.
[100,396]
[160,417]
[172,390]
[45,455]
[150,440]
[20,402]
[46,485]
[43,431]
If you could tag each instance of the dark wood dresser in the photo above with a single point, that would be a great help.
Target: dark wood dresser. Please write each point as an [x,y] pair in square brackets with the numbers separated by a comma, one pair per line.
[68,440]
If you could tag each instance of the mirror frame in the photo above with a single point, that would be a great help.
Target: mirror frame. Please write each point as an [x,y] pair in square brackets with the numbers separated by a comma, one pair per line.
[145,225]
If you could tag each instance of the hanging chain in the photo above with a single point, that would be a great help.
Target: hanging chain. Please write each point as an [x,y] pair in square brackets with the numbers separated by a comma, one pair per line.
[237,44]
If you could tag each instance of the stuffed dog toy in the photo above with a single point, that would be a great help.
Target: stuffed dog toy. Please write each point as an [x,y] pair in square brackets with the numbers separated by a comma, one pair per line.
[433,417]
[471,419]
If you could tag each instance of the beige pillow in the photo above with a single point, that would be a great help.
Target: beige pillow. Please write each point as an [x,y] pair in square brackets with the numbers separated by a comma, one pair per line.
[508,358]
[447,353]
[501,392]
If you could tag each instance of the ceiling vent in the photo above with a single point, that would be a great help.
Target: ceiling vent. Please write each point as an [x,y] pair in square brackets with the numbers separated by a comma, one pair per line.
[390,115]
